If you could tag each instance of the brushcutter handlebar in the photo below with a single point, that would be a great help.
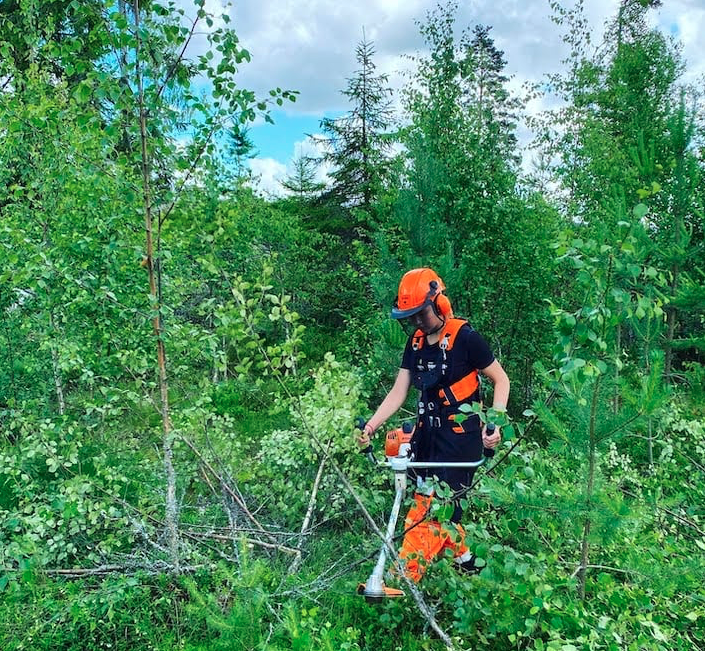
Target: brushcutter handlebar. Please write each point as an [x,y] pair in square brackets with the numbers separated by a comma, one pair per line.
[367,451]
[489,452]
[401,464]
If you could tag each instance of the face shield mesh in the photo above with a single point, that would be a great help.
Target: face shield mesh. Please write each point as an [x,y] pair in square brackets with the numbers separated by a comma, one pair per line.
[408,326]
[425,320]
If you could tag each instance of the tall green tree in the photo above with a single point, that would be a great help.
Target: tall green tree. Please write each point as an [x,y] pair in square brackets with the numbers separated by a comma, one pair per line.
[358,144]
[461,208]
[628,133]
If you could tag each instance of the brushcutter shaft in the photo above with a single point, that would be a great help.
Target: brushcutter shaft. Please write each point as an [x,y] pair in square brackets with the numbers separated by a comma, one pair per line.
[399,464]
[374,587]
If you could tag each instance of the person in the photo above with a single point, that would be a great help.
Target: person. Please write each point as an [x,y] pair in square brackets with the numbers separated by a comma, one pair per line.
[442,360]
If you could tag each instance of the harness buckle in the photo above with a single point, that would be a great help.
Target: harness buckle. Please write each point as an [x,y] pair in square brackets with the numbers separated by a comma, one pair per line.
[443,345]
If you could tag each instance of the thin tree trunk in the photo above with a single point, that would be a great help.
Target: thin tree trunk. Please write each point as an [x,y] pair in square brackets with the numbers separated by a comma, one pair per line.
[671,320]
[671,332]
[58,381]
[10,357]
[309,511]
[587,524]
[651,444]
[171,506]
[618,350]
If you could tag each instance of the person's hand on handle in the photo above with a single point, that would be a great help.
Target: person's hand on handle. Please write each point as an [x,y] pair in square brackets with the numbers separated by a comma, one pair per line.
[491,436]
[365,437]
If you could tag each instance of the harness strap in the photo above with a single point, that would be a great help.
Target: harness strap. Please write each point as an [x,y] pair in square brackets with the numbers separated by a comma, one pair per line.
[451,395]
[446,338]
[460,390]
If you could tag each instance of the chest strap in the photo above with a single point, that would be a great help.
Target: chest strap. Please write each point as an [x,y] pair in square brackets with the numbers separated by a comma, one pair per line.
[460,390]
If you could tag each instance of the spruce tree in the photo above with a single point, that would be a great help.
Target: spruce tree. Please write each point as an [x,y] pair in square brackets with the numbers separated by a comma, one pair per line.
[358,144]
[301,181]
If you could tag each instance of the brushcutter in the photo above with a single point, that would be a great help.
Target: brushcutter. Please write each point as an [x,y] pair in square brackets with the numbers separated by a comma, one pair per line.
[397,452]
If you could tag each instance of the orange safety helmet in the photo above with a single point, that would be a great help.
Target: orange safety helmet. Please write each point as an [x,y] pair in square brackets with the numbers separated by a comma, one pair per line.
[417,289]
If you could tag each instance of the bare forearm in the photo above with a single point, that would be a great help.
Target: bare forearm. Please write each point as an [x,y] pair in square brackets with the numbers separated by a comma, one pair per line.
[501,394]
[392,402]
[500,382]
[390,405]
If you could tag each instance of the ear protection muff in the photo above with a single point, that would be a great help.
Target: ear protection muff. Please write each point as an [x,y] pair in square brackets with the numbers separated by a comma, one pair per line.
[441,303]
[442,306]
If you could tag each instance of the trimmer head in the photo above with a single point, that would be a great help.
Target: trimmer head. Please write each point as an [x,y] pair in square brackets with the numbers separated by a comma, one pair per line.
[377,594]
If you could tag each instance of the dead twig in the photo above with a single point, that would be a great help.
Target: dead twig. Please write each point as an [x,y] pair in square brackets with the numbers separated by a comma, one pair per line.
[231,493]
[309,511]
[249,541]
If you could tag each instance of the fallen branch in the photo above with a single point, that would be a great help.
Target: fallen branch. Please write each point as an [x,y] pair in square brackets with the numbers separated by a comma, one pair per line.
[231,493]
[249,541]
[102,570]
[309,511]
[604,567]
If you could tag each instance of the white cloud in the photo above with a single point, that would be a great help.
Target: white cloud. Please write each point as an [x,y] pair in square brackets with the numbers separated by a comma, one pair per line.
[268,175]
[309,45]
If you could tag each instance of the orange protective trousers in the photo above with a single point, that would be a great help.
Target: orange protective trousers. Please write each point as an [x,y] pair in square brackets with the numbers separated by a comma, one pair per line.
[427,539]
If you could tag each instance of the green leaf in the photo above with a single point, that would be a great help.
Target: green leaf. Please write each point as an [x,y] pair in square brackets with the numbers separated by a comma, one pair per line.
[640,210]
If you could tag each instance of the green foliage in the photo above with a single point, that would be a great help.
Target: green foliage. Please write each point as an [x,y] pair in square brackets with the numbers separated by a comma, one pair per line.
[628,132]
[59,497]
[323,419]
[591,541]
[123,613]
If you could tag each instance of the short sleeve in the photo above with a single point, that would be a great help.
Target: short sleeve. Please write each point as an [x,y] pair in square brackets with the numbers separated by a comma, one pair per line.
[479,354]
[407,357]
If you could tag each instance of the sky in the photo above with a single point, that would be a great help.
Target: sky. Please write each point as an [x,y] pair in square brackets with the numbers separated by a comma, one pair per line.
[309,46]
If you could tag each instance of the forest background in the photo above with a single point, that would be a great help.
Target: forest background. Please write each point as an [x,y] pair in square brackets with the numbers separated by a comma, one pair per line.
[183,360]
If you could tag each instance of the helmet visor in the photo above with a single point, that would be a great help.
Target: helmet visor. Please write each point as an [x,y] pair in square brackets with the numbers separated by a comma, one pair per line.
[398,313]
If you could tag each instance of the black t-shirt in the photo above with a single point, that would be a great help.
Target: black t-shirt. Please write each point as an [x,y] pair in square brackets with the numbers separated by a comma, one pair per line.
[470,352]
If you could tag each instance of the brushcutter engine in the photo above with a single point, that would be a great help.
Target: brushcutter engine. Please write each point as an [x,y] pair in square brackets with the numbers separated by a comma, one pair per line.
[398,441]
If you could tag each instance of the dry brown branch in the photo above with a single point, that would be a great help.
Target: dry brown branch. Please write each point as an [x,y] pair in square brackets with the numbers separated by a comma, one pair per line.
[228,489]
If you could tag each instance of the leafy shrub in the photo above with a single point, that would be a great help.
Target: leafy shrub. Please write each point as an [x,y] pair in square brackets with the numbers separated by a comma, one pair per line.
[59,492]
